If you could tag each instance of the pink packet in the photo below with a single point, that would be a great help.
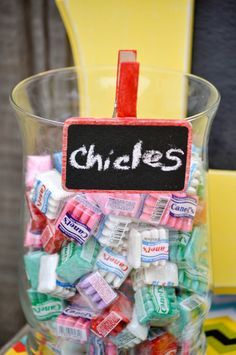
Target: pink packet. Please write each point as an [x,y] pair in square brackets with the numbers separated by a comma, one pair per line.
[32,239]
[175,211]
[78,219]
[73,328]
[182,210]
[155,208]
[35,165]
[118,203]
[111,349]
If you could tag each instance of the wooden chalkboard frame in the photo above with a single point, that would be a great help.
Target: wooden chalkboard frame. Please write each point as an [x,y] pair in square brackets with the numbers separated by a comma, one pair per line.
[124,122]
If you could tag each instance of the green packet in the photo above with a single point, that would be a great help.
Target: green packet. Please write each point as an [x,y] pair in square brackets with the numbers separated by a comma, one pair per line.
[45,307]
[193,309]
[190,248]
[32,264]
[76,260]
[156,304]
[194,279]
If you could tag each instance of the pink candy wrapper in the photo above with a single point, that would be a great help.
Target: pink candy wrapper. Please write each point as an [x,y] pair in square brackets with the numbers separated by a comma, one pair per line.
[175,211]
[79,219]
[118,204]
[35,165]
[73,328]
[32,240]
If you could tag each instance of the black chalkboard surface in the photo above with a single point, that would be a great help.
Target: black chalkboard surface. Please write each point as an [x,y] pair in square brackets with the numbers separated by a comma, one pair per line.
[132,155]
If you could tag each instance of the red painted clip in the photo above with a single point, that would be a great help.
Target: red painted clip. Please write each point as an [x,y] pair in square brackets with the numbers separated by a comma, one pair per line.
[127,84]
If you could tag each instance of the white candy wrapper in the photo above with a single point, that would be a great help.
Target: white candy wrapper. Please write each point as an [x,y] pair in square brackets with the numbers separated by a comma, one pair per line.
[160,275]
[148,246]
[48,280]
[113,267]
[47,193]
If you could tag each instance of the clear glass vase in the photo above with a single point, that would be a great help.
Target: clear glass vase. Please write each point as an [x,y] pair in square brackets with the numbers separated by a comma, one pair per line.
[42,103]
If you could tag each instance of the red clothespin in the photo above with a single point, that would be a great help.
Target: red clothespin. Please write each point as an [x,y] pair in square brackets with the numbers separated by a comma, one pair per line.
[126,84]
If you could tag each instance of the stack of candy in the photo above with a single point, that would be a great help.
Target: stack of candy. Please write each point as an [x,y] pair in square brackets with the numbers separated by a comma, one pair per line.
[117,272]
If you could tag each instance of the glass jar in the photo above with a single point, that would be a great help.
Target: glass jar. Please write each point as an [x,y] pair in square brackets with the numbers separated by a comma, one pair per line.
[171,298]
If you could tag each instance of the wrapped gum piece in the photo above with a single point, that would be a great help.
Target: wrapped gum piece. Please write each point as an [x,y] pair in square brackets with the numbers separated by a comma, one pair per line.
[36,164]
[190,248]
[57,161]
[175,211]
[156,303]
[113,319]
[148,246]
[73,328]
[52,239]
[182,210]
[113,267]
[133,334]
[96,290]
[47,193]
[38,220]
[32,239]
[79,219]
[98,346]
[113,232]
[194,279]
[195,175]
[193,309]
[48,280]
[161,275]
[119,204]
[79,307]
[32,265]
[76,261]
[163,344]
[45,307]
[155,209]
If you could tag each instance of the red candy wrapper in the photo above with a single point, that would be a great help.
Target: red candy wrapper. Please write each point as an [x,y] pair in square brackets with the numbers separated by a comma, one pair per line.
[52,240]
[38,220]
[164,344]
[114,319]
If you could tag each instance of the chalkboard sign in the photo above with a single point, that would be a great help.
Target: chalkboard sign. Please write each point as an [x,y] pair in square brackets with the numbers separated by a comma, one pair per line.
[133,155]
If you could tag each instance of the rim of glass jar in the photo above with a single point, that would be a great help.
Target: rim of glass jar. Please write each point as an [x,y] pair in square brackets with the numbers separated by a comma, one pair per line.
[97,68]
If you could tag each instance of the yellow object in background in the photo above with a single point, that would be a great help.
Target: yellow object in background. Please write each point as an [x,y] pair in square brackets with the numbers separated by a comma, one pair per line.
[160,31]
[221,335]
[222,210]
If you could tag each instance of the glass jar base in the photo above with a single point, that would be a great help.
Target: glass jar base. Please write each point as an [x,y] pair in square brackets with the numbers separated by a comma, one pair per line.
[38,344]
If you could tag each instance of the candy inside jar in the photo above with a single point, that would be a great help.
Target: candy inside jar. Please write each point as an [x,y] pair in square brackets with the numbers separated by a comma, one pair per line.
[111,274]
[120,267]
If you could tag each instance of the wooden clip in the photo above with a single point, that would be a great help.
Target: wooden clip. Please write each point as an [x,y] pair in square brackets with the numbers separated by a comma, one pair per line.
[127,84]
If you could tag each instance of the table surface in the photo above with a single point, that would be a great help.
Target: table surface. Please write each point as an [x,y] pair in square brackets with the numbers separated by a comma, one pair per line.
[8,348]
